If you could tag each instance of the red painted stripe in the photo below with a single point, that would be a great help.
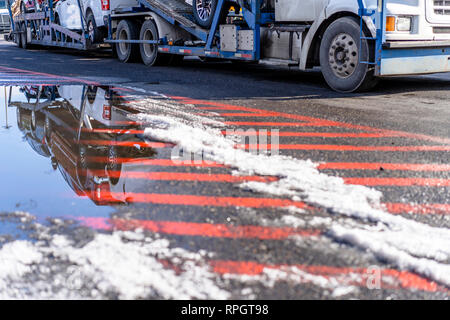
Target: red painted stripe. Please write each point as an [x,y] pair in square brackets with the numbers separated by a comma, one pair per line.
[275,124]
[244,115]
[351,148]
[183,176]
[401,182]
[198,229]
[355,276]
[114,131]
[323,122]
[313,134]
[160,162]
[234,108]
[384,166]
[127,143]
[427,208]
[194,200]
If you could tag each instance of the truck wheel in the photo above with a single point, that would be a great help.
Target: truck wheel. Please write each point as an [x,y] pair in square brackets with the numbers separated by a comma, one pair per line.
[94,33]
[33,120]
[17,36]
[19,119]
[127,30]
[113,167]
[341,51]
[149,52]
[47,128]
[23,36]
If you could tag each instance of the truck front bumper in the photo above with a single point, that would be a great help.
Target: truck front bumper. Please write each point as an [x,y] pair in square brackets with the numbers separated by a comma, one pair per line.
[414,57]
[4,29]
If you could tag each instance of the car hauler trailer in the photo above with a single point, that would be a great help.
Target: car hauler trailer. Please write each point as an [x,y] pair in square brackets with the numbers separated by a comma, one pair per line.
[355,42]
[41,27]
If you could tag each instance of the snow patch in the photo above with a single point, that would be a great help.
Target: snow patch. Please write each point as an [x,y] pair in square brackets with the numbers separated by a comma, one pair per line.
[123,264]
[407,243]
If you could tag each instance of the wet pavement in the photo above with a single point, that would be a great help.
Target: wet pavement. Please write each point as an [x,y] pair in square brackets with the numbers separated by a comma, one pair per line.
[95,192]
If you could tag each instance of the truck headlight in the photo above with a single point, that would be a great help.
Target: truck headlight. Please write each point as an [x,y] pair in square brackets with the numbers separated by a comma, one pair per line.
[404,24]
[394,23]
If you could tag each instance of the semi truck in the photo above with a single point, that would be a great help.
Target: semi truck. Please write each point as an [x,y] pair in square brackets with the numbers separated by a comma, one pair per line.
[354,42]
[4,17]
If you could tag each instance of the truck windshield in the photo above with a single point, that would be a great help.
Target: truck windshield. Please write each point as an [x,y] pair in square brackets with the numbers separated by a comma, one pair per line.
[2,4]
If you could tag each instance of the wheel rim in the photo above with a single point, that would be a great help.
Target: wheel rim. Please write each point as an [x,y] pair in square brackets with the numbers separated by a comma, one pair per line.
[123,47]
[343,55]
[149,49]
[112,159]
[33,120]
[83,158]
[91,31]
[203,9]
[47,127]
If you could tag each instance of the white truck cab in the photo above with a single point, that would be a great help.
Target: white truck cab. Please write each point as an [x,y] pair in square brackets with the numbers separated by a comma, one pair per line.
[334,42]
[4,17]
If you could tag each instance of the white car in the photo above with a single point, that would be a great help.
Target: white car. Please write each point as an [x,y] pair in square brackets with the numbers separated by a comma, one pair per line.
[95,13]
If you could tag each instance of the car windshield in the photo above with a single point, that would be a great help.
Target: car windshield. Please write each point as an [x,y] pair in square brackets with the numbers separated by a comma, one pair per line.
[2,4]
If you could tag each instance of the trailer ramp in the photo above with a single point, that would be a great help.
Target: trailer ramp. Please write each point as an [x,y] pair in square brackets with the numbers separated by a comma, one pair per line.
[177,12]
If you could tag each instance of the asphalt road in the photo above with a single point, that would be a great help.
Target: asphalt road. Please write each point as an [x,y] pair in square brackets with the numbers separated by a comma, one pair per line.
[395,139]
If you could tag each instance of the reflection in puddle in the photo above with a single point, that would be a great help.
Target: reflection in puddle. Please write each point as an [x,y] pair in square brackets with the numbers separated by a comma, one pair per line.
[82,132]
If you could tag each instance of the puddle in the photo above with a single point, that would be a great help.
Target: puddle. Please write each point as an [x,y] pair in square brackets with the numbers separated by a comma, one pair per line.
[63,150]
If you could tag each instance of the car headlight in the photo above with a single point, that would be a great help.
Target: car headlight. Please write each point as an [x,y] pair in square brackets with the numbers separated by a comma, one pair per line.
[404,24]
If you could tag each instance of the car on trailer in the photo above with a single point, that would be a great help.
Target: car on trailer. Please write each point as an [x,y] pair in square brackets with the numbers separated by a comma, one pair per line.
[95,15]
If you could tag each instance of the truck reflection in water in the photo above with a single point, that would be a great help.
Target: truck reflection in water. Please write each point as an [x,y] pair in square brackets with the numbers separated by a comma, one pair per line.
[87,134]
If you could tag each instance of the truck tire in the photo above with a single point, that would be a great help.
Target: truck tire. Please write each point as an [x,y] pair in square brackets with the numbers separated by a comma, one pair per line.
[113,166]
[23,36]
[47,128]
[17,36]
[341,53]
[19,119]
[94,33]
[149,52]
[127,52]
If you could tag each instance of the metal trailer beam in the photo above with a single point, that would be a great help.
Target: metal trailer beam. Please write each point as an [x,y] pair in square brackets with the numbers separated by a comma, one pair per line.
[162,9]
